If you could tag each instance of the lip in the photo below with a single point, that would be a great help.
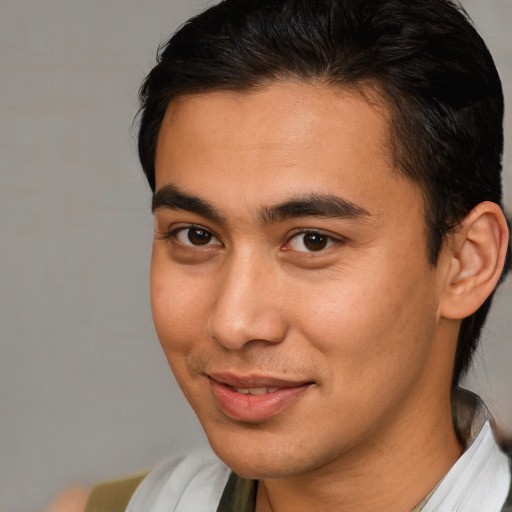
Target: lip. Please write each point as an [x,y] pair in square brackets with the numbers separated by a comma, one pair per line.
[255,408]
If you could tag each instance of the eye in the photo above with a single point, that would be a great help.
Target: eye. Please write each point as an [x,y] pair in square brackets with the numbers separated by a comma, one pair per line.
[311,241]
[196,236]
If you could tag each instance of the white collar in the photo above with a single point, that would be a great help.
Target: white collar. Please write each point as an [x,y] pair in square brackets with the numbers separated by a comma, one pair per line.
[480,480]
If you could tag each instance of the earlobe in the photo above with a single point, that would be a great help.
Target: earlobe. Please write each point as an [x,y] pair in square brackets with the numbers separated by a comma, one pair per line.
[478,253]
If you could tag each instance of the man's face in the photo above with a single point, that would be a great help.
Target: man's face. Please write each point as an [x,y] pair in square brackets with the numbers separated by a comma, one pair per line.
[290,284]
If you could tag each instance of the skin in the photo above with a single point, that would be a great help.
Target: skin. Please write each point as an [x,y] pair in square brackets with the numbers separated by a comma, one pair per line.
[361,319]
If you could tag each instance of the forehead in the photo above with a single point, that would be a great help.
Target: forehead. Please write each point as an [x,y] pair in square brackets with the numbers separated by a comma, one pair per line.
[283,112]
[281,139]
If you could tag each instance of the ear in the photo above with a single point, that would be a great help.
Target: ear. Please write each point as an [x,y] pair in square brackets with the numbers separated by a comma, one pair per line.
[477,253]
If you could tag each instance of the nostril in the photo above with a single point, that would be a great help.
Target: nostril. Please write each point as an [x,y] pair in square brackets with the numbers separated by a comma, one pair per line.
[237,328]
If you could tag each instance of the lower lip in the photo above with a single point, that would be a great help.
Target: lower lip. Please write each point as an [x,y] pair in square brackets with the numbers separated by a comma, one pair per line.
[254,408]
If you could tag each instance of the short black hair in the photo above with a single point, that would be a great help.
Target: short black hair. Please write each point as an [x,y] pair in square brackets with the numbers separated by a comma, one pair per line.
[424,57]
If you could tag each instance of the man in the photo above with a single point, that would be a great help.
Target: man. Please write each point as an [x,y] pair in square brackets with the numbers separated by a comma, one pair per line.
[328,237]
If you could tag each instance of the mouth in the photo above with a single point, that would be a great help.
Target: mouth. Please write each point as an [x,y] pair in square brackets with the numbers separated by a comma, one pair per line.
[255,399]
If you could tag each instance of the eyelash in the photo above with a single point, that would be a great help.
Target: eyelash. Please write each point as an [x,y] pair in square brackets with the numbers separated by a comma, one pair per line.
[326,241]
[173,234]
[329,239]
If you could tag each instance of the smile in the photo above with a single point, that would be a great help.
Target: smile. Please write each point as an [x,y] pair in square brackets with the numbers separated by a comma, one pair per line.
[254,399]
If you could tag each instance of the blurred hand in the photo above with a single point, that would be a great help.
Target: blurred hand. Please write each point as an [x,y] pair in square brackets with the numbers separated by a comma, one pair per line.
[72,499]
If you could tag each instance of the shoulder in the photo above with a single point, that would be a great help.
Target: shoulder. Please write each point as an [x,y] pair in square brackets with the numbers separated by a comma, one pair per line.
[505,444]
[179,484]
[508,504]
[113,495]
[192,482]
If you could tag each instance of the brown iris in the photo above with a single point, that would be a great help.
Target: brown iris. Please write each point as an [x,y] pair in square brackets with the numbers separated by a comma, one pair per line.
[315,241]
[198,236]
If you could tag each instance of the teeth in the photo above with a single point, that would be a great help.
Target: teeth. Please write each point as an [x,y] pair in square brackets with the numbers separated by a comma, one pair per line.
[256,391]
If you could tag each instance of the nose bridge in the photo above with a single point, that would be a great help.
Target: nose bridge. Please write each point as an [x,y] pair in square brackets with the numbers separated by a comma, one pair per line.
[247,305]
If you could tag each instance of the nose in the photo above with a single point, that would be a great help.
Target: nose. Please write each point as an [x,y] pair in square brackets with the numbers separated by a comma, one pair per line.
[248,305]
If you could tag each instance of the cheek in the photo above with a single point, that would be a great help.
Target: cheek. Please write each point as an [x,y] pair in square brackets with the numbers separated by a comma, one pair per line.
[177,303]
[177,312]
[371,320]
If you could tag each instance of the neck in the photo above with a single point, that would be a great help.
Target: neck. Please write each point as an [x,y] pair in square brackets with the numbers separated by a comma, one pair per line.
[400,467]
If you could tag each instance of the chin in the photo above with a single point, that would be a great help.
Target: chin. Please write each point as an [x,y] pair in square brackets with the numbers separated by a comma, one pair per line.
[256,469]
[263,460]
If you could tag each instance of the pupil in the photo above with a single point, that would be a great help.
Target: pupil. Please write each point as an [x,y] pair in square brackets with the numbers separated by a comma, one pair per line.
[199,236]
[315,242]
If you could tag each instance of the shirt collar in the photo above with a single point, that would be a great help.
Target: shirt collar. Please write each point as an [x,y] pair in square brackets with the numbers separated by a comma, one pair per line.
[480,479]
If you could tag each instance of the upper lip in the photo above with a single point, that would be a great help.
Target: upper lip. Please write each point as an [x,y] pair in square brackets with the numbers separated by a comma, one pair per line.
[255,381]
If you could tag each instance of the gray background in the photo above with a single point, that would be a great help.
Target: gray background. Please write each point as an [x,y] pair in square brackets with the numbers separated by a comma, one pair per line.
[85,393]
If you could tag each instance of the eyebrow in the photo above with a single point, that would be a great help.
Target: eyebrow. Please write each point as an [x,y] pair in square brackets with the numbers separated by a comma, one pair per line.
[169,197]
[315,205]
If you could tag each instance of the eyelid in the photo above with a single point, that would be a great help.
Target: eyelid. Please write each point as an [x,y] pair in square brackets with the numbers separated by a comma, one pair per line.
[172,235]
[334,239]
